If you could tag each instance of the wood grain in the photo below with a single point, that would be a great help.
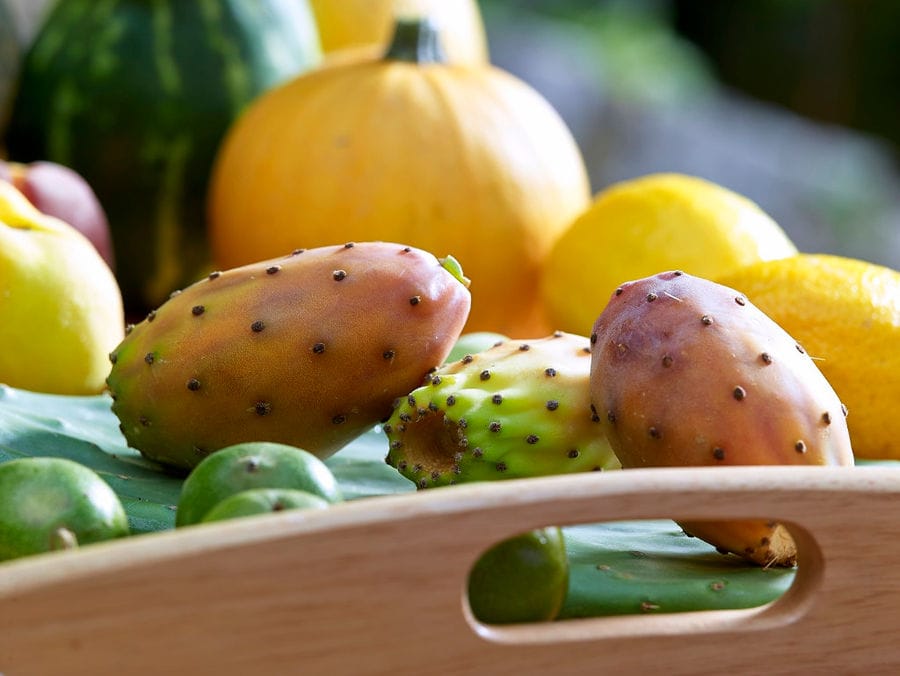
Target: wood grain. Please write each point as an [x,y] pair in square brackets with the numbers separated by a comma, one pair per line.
[375,586]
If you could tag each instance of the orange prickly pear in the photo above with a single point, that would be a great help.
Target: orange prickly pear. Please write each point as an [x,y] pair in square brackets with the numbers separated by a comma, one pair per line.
[308,350]
[685,371]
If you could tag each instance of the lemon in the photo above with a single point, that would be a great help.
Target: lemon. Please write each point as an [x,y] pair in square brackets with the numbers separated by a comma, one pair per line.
[60,305]
[643,226]
[846,313]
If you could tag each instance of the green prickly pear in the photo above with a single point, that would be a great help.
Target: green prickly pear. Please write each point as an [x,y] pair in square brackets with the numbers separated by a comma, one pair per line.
[518,409]
[308,350]
[686,371]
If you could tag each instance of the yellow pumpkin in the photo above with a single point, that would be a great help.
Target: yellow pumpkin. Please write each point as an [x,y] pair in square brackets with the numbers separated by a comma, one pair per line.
[468,161]
[356,23]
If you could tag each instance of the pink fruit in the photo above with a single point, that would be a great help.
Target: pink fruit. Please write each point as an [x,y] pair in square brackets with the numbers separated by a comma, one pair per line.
[59,191]
[685,371]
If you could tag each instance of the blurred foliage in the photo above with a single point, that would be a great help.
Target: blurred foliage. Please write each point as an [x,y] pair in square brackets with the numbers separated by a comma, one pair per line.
[837,62]
[629,44]
[793,103]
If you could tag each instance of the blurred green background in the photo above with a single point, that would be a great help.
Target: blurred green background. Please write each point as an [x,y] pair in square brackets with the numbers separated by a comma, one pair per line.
[793,103]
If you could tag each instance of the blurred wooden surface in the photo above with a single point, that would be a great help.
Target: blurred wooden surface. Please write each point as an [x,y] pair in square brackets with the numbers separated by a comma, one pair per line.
[376,586]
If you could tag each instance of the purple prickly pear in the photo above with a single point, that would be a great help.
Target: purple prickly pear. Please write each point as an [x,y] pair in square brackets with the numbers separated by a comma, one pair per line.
[688,372]
[518,409]
[308,350]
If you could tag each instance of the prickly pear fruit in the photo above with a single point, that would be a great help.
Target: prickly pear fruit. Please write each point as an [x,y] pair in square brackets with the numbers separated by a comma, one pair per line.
[685,371]
[308,350]
[518,409]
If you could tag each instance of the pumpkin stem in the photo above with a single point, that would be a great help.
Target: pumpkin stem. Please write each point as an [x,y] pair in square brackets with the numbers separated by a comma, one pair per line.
[416,40]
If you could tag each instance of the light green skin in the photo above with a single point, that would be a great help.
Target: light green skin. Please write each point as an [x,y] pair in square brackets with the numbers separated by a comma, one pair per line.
[263,501]
[434,443]
[252,465]
[473,343]
[522,579]
[48,504]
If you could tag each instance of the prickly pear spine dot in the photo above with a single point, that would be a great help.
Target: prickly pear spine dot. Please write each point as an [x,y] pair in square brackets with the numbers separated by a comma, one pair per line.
[573,453]
[415,300]
[198,310]
[273,269]
[494,426]
[651,297]
[388,354]
[766,358]
[706,320]
[654,433]
[318,348]
[339,275]
[800,446]
[532,439]
[550,372]
[149,357]
[740,300]
[262,408]
[667,360]
[215,274]
[193,384]
[257,326]
[338,419]
[719,453]
[552,405]
[485,375]
[497,399]
[739,393]
[826,418]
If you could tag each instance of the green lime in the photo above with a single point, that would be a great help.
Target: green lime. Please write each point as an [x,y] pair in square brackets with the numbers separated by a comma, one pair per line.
[53,503]
[522,579]
[256,464]
[263,501]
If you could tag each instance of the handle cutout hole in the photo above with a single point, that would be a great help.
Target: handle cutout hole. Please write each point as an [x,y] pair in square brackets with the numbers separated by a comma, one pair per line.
[629,570]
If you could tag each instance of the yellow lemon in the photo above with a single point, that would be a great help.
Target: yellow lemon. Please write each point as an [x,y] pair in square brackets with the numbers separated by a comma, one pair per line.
[60,305]
[639,227]
[846,314]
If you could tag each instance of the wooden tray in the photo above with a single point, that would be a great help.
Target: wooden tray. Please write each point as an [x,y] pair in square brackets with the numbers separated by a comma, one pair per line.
[376,586]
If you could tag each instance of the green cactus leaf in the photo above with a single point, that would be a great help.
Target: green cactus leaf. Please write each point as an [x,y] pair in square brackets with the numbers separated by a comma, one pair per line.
[84,429]
[651,566]
[616,568]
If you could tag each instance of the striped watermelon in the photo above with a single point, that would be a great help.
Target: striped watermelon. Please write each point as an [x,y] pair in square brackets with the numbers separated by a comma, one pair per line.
[136,96]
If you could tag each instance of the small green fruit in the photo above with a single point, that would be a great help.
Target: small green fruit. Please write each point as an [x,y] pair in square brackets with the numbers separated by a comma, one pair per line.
[53,503]
[522,579]
[250,465]
[262,501]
